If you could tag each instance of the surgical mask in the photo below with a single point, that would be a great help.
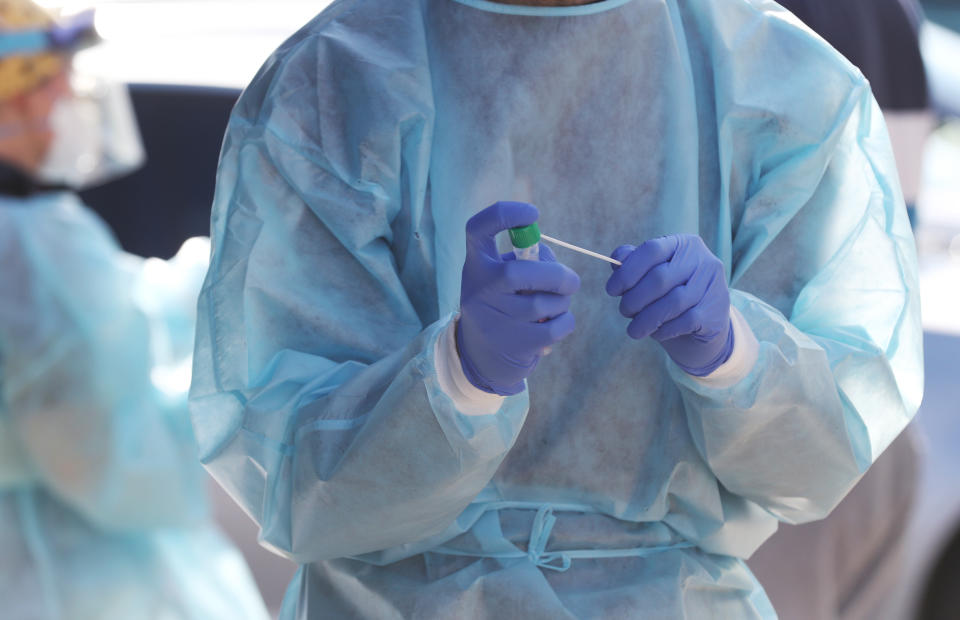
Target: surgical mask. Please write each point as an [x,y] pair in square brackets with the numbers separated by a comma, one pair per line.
[95,135]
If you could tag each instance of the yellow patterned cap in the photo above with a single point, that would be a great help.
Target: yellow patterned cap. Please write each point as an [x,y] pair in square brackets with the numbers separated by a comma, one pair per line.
[21,73]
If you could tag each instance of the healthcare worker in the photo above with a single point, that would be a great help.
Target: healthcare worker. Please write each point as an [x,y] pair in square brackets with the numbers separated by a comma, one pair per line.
[102,502]
[369,380]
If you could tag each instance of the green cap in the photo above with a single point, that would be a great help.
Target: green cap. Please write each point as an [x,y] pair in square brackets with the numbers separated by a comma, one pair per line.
[525,236]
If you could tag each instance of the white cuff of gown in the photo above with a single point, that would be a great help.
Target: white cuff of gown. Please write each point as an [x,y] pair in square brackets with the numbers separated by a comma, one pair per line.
[746,349]
[466,397]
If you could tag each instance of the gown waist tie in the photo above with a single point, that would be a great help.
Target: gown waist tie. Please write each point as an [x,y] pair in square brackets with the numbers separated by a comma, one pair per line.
[540,532]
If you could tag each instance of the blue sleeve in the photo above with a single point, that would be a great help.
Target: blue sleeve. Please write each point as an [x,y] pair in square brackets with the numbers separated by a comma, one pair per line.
[77,396]
[823,268]
[315,396]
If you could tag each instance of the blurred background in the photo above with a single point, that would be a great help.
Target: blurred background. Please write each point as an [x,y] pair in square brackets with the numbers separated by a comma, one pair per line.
[187,61]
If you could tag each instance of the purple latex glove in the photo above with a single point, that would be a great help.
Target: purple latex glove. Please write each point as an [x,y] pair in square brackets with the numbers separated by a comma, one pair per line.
[674,290]
[509,309]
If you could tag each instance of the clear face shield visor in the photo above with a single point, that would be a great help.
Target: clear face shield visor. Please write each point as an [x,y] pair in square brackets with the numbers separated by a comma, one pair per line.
[95,137]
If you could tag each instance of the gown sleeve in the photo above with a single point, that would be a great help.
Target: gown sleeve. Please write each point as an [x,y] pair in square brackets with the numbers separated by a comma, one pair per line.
[823,268]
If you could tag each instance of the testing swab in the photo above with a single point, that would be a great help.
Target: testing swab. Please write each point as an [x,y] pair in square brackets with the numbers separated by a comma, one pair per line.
[570,246]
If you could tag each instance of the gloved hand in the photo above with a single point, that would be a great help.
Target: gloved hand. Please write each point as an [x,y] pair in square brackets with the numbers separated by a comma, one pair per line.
[675,291]
[502,299]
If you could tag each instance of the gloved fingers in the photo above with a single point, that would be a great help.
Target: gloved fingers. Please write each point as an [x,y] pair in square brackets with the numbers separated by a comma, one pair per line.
[690,322]
[483,227]
[534,307]
[650,254]
[679,301]
[683,301]
[658,284]
[621,254]
[539,335]
[521,339]
[535,276]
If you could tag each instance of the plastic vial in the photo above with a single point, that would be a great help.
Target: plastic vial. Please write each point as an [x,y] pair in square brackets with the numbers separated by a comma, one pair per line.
[526,242]
[526,246]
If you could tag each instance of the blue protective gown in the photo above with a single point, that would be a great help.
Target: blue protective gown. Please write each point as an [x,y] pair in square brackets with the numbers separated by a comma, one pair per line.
[102,503]
[615,485]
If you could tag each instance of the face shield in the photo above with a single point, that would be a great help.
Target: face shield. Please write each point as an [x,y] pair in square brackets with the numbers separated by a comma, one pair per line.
[95,137]
[87,127]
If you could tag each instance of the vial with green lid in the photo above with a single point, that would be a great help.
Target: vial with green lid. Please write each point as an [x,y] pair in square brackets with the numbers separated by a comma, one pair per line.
[526,242]
[526,246]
